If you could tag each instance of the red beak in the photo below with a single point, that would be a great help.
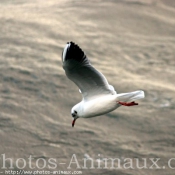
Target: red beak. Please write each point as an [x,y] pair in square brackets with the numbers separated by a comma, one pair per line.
[73,122]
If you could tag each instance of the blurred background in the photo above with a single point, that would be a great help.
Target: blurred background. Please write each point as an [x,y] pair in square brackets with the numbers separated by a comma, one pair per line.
[132,42]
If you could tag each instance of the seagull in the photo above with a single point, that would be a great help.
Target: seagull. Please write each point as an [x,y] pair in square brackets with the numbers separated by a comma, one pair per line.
[98,97]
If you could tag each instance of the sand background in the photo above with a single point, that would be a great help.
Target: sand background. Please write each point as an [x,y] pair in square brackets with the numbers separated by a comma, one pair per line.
[132,42]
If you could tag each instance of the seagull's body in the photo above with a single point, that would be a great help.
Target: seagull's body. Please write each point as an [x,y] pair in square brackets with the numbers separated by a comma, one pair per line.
[97,106]
[98,96]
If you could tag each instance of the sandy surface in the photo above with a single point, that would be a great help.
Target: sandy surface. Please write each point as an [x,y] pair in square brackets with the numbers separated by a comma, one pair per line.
[132,42]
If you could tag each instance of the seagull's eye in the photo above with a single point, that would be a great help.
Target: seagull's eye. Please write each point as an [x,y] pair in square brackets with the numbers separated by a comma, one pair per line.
[75,112]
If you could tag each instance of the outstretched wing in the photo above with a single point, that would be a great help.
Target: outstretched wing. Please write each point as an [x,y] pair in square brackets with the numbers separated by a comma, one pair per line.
[78,69]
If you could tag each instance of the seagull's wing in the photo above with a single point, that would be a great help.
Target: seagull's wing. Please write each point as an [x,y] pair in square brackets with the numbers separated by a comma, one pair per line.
[78,69]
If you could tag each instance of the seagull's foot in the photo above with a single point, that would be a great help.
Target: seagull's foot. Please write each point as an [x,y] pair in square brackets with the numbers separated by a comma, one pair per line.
[128,104]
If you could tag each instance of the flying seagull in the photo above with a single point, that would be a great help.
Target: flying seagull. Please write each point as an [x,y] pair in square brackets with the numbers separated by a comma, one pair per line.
[98,96]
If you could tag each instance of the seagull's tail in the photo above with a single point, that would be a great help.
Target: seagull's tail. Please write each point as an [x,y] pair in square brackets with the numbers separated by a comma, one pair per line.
[131,96]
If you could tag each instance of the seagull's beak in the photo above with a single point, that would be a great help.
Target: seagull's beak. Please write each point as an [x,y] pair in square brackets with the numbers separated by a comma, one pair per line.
[73,122]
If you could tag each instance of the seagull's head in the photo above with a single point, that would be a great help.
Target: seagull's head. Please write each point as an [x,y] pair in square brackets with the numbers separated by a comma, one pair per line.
[74,113]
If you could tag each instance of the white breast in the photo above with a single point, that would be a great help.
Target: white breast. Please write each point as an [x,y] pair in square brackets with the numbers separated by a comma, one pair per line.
[99,106]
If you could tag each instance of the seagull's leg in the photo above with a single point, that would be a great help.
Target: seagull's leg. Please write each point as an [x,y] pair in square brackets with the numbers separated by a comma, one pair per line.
[128,104]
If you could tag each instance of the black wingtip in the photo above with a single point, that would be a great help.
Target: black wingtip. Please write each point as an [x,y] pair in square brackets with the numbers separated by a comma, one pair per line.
[73,51]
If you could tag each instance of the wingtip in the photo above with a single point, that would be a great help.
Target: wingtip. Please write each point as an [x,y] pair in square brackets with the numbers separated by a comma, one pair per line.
[72,51]
[65,50]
